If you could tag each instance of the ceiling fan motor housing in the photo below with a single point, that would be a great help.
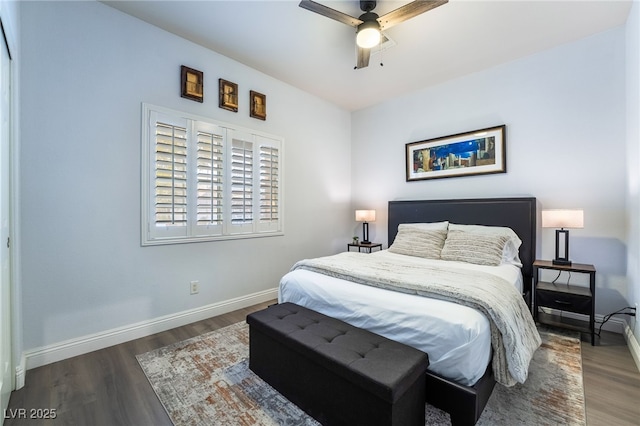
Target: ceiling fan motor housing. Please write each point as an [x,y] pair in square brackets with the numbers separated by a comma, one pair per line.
[369,16]
[367,5]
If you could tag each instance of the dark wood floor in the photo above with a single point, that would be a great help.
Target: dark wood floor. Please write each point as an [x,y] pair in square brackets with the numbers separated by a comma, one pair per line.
[107,387]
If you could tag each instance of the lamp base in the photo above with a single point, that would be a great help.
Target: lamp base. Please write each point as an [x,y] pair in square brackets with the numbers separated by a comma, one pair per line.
[562,259]
[365,242]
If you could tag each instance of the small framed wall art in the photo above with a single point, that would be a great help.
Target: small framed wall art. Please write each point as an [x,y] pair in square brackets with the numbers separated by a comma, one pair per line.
[191,84]
[228,95]
[258,105]
[471,153]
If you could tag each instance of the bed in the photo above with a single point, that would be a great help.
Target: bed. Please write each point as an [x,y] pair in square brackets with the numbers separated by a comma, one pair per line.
[457,338]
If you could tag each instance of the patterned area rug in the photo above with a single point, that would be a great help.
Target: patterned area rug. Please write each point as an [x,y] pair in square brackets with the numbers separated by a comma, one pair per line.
[206,381]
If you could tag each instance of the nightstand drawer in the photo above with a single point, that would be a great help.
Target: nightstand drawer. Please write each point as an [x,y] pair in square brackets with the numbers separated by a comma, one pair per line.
[564,301]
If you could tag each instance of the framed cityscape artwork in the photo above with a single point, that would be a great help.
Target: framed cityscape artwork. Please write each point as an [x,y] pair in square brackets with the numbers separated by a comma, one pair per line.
[471,153]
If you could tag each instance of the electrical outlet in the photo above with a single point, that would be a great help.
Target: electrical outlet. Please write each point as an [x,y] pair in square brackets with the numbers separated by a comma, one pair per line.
[195,287]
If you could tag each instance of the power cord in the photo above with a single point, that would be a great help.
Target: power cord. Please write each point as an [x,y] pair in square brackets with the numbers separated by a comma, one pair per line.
[618,312]
[558,276]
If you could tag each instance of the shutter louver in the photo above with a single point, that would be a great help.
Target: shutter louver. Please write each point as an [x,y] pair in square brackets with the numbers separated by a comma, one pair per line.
[241,182]
[210,179]
[170,175]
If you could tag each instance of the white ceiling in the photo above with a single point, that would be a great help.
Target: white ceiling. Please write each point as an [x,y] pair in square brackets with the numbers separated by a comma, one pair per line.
[317,54]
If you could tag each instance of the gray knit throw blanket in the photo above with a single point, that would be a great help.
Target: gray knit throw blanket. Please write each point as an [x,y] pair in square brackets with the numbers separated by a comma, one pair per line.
[514,337]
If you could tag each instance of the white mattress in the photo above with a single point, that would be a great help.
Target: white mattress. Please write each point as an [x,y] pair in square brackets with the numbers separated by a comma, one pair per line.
[456,338]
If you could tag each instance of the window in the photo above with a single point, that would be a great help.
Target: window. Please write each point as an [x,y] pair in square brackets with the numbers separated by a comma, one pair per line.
[204,180]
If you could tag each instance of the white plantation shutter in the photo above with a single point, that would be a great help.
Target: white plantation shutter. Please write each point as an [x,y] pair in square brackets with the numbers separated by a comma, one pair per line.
[210,180]
[241,183]
[169,177]
[269,154]
[206,181]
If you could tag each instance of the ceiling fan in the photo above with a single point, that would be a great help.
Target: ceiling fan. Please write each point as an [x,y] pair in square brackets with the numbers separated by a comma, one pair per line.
[369,25]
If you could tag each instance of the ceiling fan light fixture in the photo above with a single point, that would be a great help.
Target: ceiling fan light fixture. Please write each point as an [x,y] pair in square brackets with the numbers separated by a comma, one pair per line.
[368,34]
[369,25]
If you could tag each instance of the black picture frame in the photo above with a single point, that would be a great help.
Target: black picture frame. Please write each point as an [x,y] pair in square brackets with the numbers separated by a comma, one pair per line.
[191,84]
[476,152]
[258,103]
[228,95]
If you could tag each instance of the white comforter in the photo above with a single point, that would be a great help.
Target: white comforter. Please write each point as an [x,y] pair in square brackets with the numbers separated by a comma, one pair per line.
[452,335]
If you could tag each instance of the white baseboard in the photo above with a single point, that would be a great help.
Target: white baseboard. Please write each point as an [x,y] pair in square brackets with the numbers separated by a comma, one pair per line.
[632,342]
[20,372]
[82,345]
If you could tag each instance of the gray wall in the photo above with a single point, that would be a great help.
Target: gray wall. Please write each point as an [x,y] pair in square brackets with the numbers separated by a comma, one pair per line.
[633,161]
[564,109]
[86,69]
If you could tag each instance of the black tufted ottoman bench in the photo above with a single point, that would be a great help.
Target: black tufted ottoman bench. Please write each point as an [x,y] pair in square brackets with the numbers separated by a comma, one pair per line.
[337,373]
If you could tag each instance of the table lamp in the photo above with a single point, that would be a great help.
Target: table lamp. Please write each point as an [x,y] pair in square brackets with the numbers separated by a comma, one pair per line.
[562,219]
[365,216]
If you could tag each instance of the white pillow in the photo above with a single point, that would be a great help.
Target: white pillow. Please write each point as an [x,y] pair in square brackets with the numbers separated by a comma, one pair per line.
[418,242]
[510,252]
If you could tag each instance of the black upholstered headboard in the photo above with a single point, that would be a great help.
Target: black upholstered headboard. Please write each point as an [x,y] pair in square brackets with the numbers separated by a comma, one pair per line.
[518,214]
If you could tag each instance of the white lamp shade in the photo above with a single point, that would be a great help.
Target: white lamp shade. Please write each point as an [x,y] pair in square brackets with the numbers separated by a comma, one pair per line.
[562,218]
[365,215]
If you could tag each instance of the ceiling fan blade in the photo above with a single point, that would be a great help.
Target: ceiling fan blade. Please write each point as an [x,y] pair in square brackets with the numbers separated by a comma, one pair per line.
[330,13]
[408,11]
[363,57]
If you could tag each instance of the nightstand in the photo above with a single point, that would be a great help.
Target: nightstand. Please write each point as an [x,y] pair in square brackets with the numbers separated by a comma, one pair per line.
[367,247]
[565,297]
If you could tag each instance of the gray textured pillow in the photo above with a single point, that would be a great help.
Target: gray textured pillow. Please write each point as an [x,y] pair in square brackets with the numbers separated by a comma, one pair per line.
[412,241]
[510,254]
[428,226]
[469,247]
